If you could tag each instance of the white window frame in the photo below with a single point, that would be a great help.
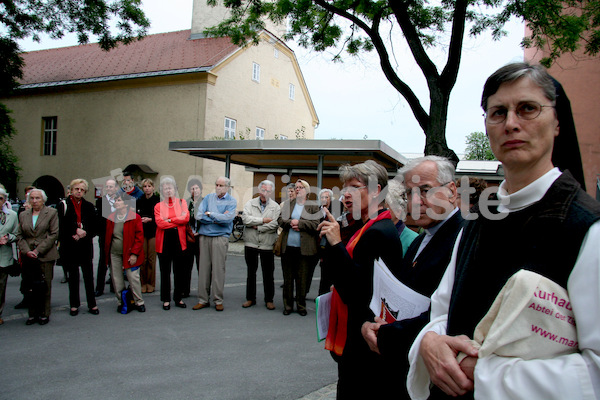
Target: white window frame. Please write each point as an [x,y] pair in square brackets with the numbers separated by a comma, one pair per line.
[255,72]
[260,133]
[50,131]
[292,91]
[283,137]
[230,126]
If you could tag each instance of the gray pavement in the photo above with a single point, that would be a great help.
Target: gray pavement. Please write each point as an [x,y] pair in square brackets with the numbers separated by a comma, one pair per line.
[239,353]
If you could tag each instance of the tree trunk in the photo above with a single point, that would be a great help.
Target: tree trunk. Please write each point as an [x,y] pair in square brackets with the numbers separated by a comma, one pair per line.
[435,132]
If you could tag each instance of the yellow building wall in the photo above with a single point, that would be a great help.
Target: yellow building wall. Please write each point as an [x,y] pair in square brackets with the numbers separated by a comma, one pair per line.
[103,127]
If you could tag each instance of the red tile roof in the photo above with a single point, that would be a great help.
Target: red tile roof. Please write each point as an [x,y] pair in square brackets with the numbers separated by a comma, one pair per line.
[160,52]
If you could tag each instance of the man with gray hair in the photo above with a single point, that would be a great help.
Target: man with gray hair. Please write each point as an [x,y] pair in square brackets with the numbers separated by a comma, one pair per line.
[216,214]
[432,203]
[260,217]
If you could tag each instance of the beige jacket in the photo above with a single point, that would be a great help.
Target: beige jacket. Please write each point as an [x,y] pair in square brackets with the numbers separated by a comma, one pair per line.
[41,238]
[258,234]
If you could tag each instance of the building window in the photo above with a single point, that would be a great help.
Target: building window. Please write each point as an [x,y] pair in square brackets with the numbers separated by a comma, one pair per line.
[283,137]
[255,72]
[230,125]
[260,133]
[49,139]
[276,52]
[292,91]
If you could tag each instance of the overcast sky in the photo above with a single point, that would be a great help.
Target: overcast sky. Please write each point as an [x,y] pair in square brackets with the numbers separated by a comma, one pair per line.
[353,99]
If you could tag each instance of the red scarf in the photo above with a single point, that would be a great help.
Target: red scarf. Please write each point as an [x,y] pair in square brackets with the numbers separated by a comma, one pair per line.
[338,316]
[77,207]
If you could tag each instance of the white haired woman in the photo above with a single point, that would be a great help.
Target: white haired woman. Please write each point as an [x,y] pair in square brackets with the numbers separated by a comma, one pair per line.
[9,226]
[37,236]
[78,226]
[396,200]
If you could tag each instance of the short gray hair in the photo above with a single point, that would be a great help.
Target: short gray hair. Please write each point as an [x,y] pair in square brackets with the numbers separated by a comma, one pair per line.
[42,192]
[226,179]
[445,168]
[396,198]
[167,180]
[364,171]
[268,183]
[512,72]
[328,191]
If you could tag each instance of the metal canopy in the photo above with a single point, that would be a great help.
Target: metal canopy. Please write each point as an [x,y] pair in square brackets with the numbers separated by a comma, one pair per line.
[273,155]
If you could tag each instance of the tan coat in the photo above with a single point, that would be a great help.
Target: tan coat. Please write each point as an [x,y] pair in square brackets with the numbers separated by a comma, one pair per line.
[41,238]
[308,223]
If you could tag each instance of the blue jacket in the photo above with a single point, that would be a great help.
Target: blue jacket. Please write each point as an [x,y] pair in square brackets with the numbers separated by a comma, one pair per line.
[222,212]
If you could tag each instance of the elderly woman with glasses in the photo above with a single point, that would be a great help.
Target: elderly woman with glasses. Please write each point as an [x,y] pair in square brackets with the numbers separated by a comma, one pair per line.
[299,222]
[352,266]
[9,226]
[545,224]
[78,225]
[37,236]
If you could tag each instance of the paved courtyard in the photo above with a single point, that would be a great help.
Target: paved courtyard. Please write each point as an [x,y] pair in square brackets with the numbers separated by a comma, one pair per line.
[239,353]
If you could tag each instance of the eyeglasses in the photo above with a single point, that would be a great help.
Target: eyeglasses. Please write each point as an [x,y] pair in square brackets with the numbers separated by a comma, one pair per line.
[423,191]
[352,189]
[527,110]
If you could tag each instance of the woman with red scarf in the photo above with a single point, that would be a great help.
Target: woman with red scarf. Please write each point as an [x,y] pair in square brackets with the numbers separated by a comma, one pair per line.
[352,273]
[77,227]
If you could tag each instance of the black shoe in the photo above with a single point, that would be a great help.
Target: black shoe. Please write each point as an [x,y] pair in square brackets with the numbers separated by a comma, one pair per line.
[287,311]
[302,312]
[21,305]
[181,305]
[44,320]
[74,312]
[141,308]
[94,311]
[166,307]
[98,293]
[119,309]
[31,321]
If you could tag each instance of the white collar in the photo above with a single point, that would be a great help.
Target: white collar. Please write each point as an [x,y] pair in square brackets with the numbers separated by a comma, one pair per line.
[529,194]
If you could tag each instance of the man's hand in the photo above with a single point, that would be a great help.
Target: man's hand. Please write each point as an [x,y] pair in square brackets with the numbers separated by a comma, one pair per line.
[145,220]
[369,331]
[468,367]
[439,354]
[4,240]
[132,260]
[267,220]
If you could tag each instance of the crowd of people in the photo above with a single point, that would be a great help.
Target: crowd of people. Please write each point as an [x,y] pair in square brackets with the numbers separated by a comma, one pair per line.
[462,249]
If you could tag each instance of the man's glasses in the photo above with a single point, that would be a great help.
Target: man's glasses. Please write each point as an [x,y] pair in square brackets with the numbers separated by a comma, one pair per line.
[526,111]
[423,191]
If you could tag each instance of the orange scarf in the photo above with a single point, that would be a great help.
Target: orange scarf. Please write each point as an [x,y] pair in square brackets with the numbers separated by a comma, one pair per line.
[338,316]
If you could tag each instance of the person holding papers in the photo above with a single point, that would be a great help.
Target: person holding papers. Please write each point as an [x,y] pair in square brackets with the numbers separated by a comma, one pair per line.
[545,223]
[352,273]
[433,206]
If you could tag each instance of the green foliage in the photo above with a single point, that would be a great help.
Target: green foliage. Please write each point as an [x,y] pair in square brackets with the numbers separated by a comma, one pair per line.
[559,26]
[8,160]
[478,147]
[111,21]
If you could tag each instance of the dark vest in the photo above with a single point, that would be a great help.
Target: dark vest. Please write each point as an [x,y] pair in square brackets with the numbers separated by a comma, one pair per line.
[544,237]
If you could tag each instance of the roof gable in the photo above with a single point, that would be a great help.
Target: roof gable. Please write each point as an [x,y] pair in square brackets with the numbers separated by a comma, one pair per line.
[160,52]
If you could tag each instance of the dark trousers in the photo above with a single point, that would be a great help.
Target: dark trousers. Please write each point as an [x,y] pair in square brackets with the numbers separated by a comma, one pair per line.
[87,270]
[267,264]
[102,267]
[172,257]
[296,268]
[37,279]
[326,278]
[192,254]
